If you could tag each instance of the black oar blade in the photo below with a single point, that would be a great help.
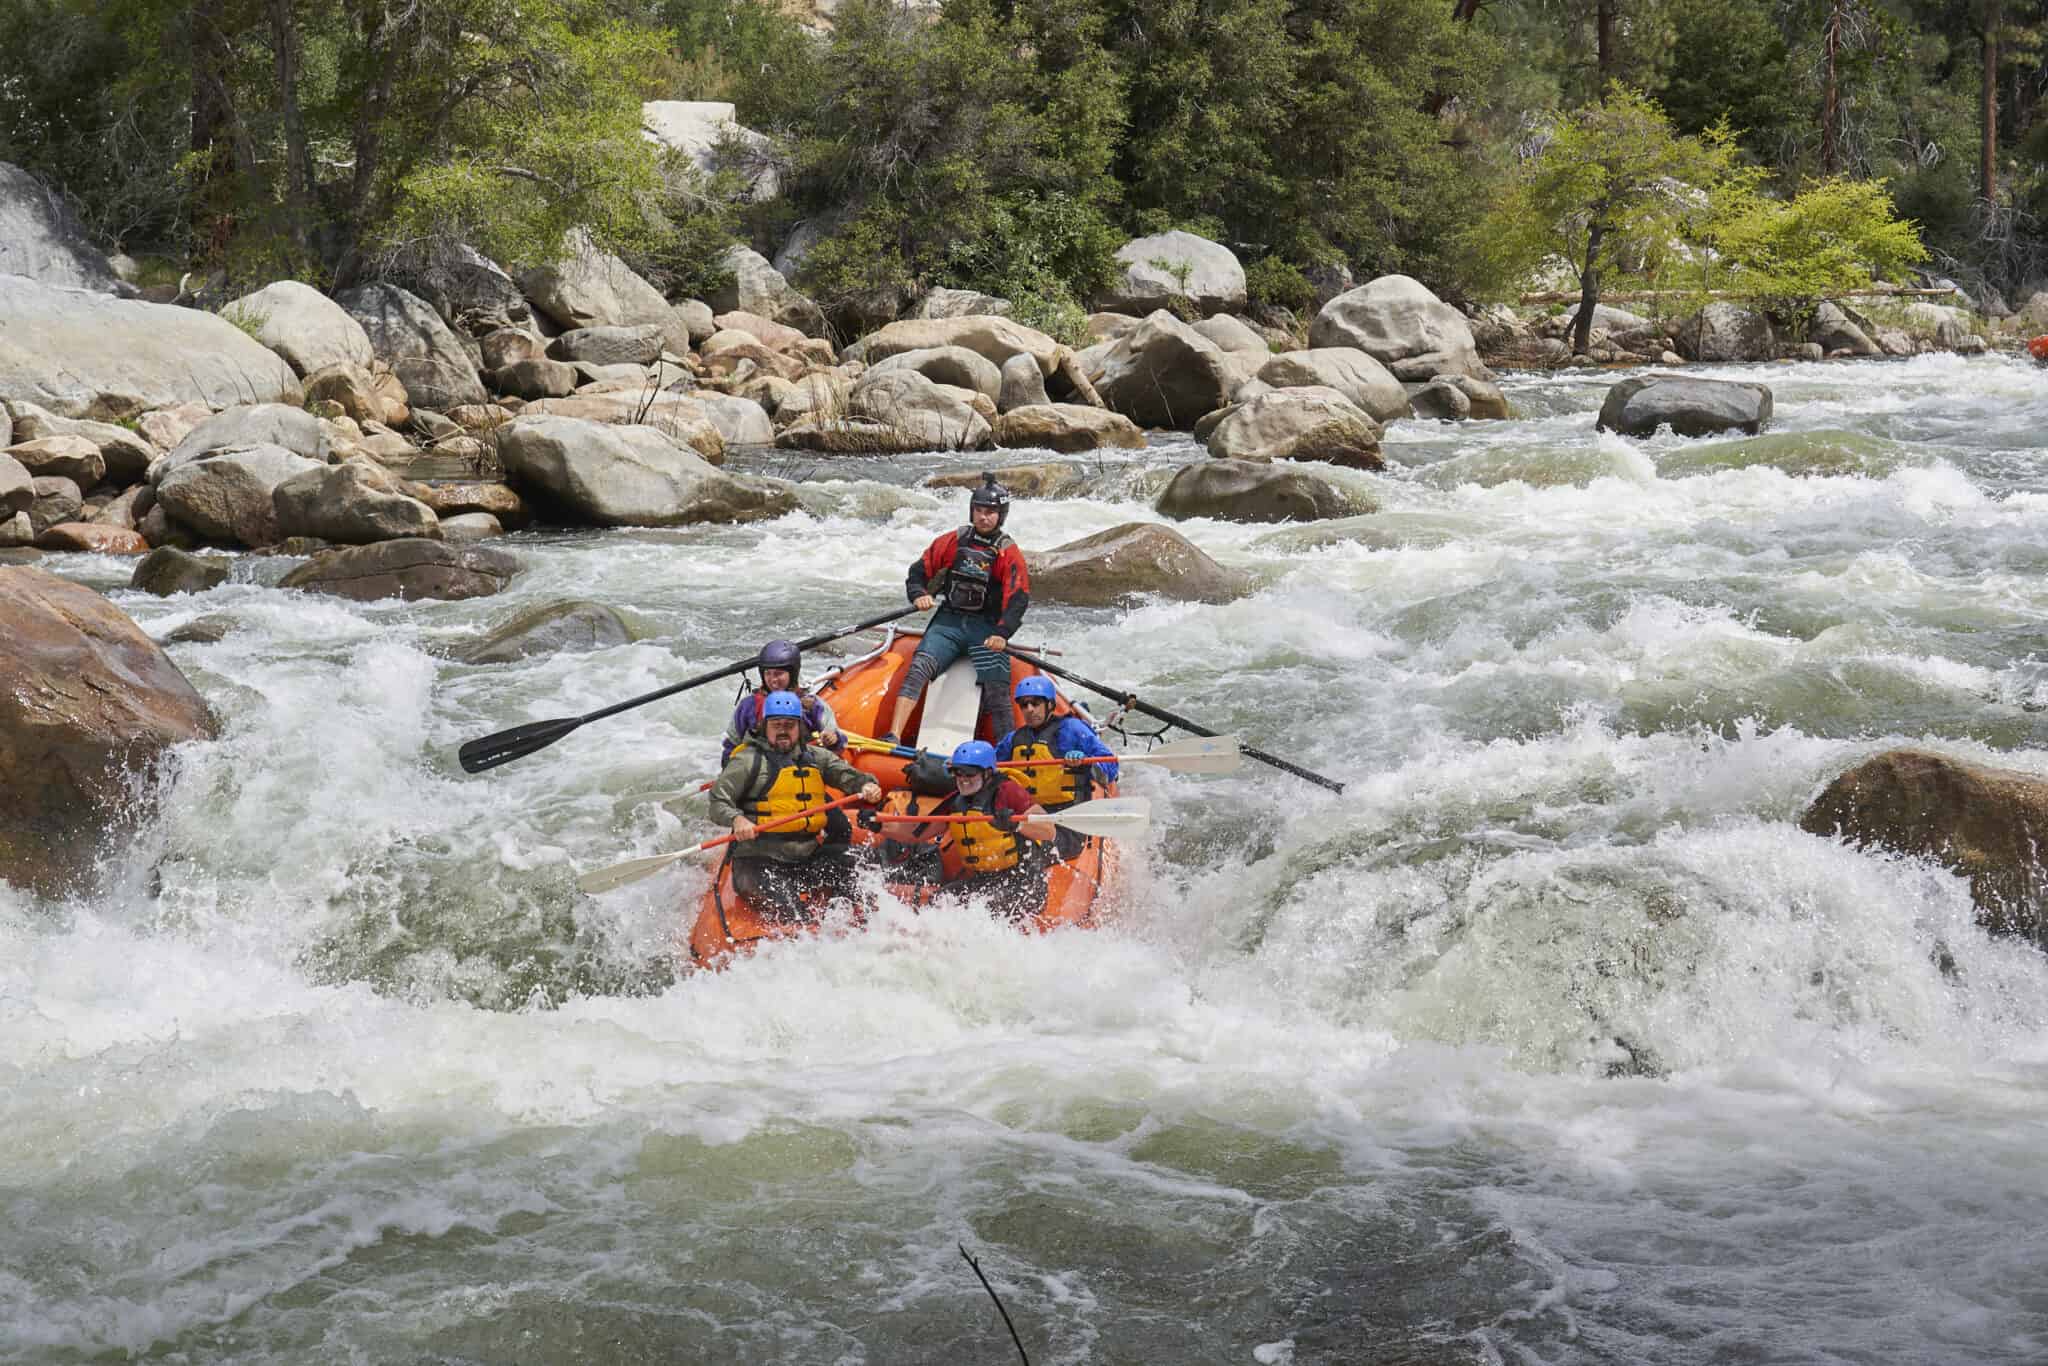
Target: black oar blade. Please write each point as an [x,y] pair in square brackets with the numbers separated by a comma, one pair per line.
[516,743]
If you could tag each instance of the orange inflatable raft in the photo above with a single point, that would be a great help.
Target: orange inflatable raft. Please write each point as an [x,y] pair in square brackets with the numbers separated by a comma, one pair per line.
[860,694]
[2038,348]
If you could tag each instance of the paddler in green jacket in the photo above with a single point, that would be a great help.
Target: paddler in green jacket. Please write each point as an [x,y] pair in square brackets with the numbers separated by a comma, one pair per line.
[775,773]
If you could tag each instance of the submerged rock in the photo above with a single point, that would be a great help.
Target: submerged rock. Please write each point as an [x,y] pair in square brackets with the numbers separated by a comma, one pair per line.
[1130,561]
[168,570]
[555,628]
[408,569]
[89,706]
[1988,824]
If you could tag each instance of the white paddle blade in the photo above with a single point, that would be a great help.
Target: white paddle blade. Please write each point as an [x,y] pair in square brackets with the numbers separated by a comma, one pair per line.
[1196,754]
[1110,818]
[619,874]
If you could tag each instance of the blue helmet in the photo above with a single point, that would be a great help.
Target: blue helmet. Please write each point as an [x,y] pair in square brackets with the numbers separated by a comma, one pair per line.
[1038,685]
[787,704]
[974,754]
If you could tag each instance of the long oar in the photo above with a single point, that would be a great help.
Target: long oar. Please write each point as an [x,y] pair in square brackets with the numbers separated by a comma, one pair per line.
[1110,818]
[1130,699]
[506,745]
[632,870]
[1198,754]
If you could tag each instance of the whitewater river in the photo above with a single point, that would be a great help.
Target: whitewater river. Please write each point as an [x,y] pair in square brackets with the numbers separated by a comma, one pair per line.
[1552,1040]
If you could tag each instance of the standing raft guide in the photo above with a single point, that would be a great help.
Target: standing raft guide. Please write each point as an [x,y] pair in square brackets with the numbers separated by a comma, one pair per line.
[944,758]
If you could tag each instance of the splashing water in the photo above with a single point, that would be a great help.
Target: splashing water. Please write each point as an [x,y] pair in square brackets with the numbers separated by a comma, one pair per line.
[1552,1040]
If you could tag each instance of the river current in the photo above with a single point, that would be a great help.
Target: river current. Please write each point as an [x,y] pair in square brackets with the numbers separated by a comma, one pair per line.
[1553,1039]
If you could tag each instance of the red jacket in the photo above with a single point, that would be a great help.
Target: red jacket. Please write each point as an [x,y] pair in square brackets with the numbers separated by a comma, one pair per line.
[1012,579]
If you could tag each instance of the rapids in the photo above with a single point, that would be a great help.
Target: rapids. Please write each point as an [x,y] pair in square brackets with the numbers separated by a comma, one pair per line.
[1552,1040]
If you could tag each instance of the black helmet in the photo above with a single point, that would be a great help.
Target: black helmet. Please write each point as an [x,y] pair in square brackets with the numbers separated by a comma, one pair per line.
[991,495]
[782,654]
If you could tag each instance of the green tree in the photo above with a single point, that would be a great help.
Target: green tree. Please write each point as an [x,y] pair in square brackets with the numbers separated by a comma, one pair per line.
[1835,237]
[1614,181]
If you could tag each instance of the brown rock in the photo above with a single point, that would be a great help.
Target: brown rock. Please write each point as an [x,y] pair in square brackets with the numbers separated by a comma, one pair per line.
[1988,824]
[408,569]
[92,537]
[88,704]
[1130,561]
[1053,479]
[459,498]
[1066,427]
[168,570]
[76,458]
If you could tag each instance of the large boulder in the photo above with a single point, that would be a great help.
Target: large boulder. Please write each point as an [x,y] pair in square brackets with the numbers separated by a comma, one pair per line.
[310,330]
[89,706]
[1727,332]
[407,569]
[82,354]
[1253,491]
[1299,424]
[1130,561]
[225,496]
[1234,334]
[612,475]
[1163,373]
[826,435]
[954,365]
[1022,387]
[41,238]
[1351,372]
[58,500]
[349,504]
[1689,406]
[755,286]
[1988,824]
[1397,321]
[1176,266]
[593,288]
[706,132]
[438,386]
[936,417]
[1834,330]
[61,457]
[17,487]
[740,421]
[402,326]
[682,418]
[570,627]
[255,424]
[1066,427]
[641,345]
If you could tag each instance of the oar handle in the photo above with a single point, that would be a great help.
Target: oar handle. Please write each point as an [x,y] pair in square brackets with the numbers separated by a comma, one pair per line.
[1045,763]
[791,819]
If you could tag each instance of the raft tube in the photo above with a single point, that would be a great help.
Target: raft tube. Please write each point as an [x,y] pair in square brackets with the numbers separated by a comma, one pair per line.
[728,925]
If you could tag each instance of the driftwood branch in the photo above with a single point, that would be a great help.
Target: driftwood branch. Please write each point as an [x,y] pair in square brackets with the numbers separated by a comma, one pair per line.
[999,1303]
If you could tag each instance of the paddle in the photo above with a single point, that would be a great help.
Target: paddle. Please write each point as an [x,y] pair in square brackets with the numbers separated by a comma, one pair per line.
[506,745]
[632,870]
[1109,818]
[1130,699]
[1199,754]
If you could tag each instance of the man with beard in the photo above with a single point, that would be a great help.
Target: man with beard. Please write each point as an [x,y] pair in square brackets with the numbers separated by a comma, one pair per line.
[776,773]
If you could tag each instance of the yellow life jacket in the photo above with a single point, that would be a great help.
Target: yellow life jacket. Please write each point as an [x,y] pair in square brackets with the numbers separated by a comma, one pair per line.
[971,848]
[1052,786]
[798,786]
